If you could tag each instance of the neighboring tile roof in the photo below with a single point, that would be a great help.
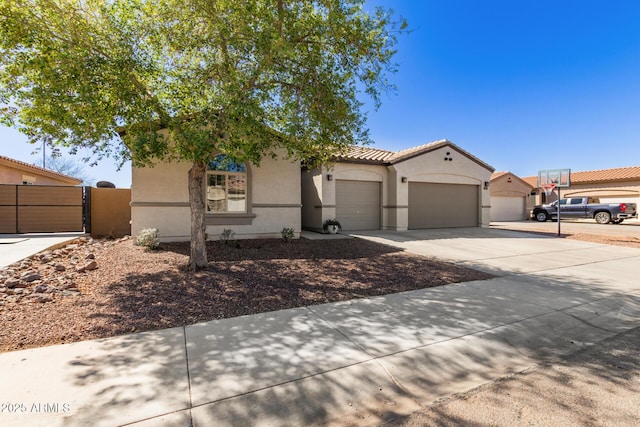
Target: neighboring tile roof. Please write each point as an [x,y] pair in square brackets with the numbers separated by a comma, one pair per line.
[37,169]
[358,154]
[631,173]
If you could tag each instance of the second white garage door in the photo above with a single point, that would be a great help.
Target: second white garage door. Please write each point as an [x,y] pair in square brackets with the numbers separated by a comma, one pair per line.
[358,205]
[442,205]
[507,208]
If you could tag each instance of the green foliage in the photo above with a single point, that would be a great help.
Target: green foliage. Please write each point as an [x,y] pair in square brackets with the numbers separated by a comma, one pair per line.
[244,78]
[287,234]
[327,223]
[148,238]
[187,79]
[227,236]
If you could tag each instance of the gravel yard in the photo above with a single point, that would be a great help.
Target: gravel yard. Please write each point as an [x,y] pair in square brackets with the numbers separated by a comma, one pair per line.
[93,289]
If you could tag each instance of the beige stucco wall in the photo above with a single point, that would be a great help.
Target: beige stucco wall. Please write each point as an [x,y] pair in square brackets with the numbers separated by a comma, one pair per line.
[431,167]
[428,167]
[160,199]
[11,175]
[509,185]
[319,194]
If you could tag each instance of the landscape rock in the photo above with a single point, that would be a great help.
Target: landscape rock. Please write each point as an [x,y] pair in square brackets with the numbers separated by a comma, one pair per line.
[31,277]
[60,267]
[90,256]
[12,282]
[91,266]
[41,298]
[40,289]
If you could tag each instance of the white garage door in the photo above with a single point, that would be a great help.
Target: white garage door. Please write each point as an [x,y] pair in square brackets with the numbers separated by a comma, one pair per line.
[442,205]
[507,208]
[358,205]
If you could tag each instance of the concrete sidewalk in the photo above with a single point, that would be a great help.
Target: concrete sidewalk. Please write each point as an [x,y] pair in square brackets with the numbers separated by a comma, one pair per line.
[15,247]
[358,362]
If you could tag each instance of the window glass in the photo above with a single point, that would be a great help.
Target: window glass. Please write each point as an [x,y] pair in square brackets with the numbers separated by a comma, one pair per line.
[576,201]
[226,186]
[563,202]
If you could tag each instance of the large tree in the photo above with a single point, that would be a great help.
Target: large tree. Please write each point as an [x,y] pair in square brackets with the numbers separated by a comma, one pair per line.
[182,80]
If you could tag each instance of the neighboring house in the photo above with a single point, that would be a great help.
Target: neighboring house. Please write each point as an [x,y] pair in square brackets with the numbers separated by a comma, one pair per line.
[610,185]
[511,198]
[436,185]
[17,172]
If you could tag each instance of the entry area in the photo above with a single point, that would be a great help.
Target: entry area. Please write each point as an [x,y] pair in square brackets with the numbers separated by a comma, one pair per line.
[358,205]
[434,205]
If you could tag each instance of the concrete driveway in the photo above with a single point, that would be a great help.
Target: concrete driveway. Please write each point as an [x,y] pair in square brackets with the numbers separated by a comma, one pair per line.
[361,362]
[629,228]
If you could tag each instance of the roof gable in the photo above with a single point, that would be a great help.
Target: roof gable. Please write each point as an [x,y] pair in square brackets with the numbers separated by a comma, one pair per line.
[505,174]
[357,154]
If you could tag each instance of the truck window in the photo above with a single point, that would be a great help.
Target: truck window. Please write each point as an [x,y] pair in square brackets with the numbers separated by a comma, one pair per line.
[563,202]
[576,201]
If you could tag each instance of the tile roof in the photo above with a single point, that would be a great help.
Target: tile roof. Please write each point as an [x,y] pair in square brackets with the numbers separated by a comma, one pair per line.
[25,165]
[358,154]
[497,175]
[367,154]
[631,173]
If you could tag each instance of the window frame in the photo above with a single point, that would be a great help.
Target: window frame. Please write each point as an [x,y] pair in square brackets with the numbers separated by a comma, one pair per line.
[229,217]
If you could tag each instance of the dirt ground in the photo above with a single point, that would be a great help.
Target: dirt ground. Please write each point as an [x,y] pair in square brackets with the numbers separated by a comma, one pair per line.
[95,289]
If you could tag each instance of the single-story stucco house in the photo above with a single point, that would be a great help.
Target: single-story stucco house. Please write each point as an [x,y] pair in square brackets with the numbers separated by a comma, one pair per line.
[610,185]
[511,197]
[430,186]
[436,185]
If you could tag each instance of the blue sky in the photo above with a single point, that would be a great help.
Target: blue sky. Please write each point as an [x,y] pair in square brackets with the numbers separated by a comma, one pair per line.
[523,85]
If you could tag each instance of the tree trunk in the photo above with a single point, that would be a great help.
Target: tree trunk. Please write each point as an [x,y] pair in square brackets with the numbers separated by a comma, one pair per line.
[197,175]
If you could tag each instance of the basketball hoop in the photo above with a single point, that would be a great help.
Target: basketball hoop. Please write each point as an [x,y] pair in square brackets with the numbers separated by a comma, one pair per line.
[548,188]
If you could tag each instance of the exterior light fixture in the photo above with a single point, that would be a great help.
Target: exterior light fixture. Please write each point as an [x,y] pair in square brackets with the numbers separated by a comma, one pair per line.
[403,179]
[329,177]
[486,185]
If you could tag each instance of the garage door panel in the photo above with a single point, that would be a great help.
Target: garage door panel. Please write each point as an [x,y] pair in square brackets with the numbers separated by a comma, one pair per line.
[358,205]
[507,208]
[434,205]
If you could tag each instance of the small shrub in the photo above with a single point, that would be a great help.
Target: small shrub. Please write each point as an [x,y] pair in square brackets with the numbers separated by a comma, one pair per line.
[148,238]
[287,234]
[227,235]
[327,223]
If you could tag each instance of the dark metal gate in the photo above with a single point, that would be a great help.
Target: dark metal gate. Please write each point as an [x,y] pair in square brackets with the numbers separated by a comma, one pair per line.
[44,208]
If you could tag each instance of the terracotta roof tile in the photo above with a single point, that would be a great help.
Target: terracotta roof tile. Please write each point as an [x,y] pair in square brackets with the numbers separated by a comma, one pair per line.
[356,153]
[631,173]
[366,154]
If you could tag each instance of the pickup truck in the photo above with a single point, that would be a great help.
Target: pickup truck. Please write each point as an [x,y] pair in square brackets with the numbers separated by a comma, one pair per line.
[586,207]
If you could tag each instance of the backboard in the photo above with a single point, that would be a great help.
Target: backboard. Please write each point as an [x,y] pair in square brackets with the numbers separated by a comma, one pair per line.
[560,177]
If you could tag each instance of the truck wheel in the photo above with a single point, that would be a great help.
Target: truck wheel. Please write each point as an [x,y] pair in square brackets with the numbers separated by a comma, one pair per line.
[602,217]
[541,216]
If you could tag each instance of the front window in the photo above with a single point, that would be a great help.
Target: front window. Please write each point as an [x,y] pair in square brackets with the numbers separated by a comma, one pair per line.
[226,185]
